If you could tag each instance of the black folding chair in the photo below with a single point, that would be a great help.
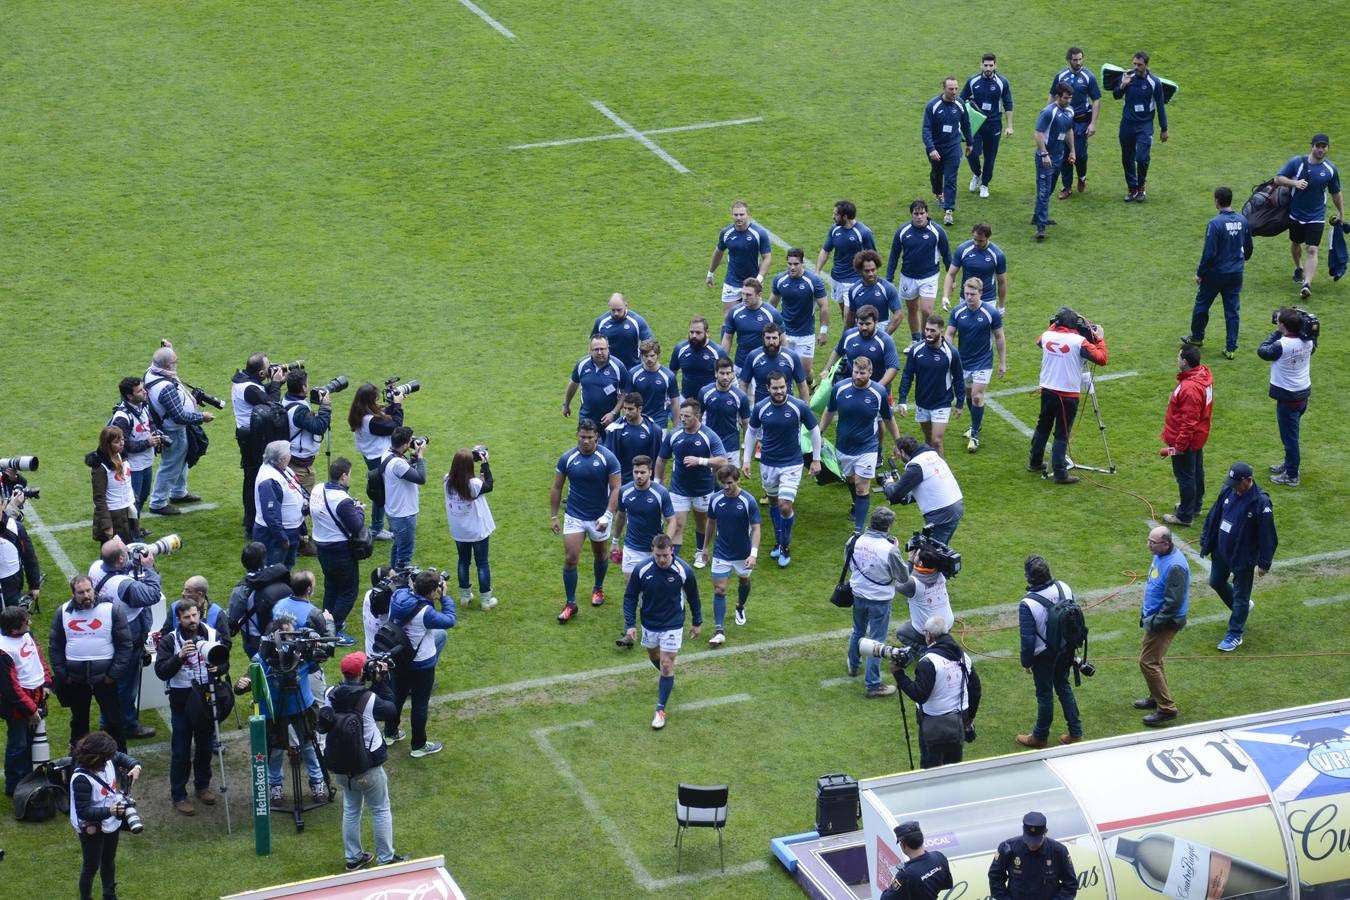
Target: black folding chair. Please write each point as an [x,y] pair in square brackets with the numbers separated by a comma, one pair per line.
[701,806]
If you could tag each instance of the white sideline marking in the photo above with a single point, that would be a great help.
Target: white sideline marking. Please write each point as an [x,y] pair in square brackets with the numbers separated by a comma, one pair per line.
[88,523]
[1008,392]
[637,135]
[611,828]
[1325,601]
[711,701]
[700,126]
[497,26]
[1315,558]
[843,679]
[998,654]
[33,524]
[1006,415]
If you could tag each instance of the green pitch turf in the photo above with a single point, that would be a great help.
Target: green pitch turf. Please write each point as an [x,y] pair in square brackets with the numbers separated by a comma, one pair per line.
[334,181]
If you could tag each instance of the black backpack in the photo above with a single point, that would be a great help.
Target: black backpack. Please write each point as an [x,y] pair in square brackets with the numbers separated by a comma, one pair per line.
[393,640]
[344,750]
[1267,210]
[1066,629]
[267,422]
[375,482]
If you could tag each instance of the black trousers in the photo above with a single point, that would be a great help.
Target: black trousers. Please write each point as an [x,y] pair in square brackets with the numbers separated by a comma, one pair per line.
[78,696]
[100,855]
[1057,412]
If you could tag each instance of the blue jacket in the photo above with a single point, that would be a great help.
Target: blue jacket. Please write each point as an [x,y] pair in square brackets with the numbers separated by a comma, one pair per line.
[403,606]
[1228,245]
[944,125]
[1250,539]
[1336,263]
[942,377]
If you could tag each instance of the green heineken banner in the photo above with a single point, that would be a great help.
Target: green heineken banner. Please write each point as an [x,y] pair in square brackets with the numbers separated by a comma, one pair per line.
[257,744]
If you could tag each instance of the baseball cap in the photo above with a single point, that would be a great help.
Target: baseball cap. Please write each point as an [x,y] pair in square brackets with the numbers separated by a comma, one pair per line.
[1033,825]
[1239,471]
[353,664]
[1321,138]
[905,829]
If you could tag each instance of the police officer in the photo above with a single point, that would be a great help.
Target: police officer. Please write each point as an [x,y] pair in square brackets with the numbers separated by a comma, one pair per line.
[1032,866]
[925,874]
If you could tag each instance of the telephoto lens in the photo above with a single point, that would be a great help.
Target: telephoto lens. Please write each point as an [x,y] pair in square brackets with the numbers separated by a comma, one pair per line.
[21,463]
[336,386]
[170,543]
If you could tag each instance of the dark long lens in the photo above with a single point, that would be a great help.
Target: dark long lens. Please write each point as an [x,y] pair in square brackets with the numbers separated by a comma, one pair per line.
[336,386]
[22,463]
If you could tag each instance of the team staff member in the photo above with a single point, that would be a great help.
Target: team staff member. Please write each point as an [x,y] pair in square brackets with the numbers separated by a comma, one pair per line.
[1143,95]
[1054,148]
[944,682]
[18,559]
[733,532]
[864,340]
[860,404]
[990,93]
[1087,101]
[1167,595]
[132,415]
[726,408]
[1049,670]
[870,290]
[1240,535]
[593,482]
[875,567]
[280,501]
[979,258]
[173,409]
[976,326]
[745,322]
[1185,431]
[847,238]
[654,383]
[945,126]
[603,381]
[1290,358]
[90,649]
[25,679]
[798,294]
[661,585]
[372,426]
[921,249]
[403,480]
[1033,866]
[693,451]
[258,382]
[338,517]
[934,368]
[624,329]
[749,255]
[180,664]
[1063,349]
[1312,178]
[925,874]
[778,421]
[928,481]
[1228,245]
[695,360]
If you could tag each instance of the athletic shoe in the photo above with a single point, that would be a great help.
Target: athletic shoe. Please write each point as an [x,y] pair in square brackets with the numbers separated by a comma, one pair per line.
[1192,341]
[319,791]
[1230,354]
[426,749]
[186,498]
[717,640]
[984,190]
[274,793]
[1285,479]
[390,739]
[598,597]
[487,603]
[616,554]
[1173,520]
[568,611]
[1040,232]
[740,615]
[1306,291]
[1051,222]
[777,550]
[659,720]
[783,560]
[966,433]
[947,218]
[1082,183]
[884,690]
[973,444]
[344,639]
[700,559]
[974,183]
[1027,740]
[1276,468]
[1128,198]
[396,858]
[1140,195]
[1298,275]
[365,859]
[1229,644]
[624,641]
[1065,194]
[166,511]
[384,534]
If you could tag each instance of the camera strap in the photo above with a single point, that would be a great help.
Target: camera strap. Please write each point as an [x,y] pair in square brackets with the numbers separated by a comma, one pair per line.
[332,515]
[848,558]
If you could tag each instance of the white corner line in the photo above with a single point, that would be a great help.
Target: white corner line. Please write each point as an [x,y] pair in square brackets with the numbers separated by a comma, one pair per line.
[1326,601]
[87,523]
[636,135]
[480,13]
[1006,415]
[622,134]
[710,702]
[33,524]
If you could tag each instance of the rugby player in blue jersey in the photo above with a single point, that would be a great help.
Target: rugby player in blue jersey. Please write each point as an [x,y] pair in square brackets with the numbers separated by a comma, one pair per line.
[748,251]
[745,323]
[865,340]
[872,291]
[694,452]
[974,325]
[632,436]
[726,408]
[799,294]
[859,403]
[646,506]
[655,383]
[624,328]
[661,586]
[921,249]
[602,381]
[934,368]
[592,476]
[979,258]
[776,422]
[774,357]
[695,360]
[733,523]
[847,238]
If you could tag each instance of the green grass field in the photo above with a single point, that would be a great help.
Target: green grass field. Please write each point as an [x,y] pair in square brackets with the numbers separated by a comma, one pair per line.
[332,181]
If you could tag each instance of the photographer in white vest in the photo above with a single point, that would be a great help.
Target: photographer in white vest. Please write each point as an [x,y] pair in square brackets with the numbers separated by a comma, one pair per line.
[928,481]
[944,682]
[134,588]
[280,518]
[89,648]
[875,566]
[181,664]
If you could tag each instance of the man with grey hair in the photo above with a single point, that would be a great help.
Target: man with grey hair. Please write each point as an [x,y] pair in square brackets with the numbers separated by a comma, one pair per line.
[945,684]
[280,502]
[172,409]
[875,566]
[1166,600]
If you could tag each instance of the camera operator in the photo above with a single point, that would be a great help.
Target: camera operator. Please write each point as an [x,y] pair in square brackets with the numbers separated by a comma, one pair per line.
[375,607]
[1048,669]
[99,809]
[173,409]
[134,586]
[24,681]
[471,522]
[876,567]
[300,607]
[372,426]
[925,874]
[928,481]
[945,683]
[255,384]
[1065,345]
[415,609]
[18,559]
[286,665]
[254,595]
[403,478]
[337,519]
[132,415]
[371,786]
[90,648]
[280,518]
[926,591]
[189,677]
[1289,353]
[114,497]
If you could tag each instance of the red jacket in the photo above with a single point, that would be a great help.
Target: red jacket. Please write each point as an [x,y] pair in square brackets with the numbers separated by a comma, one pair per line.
[1186,426]
[16,701]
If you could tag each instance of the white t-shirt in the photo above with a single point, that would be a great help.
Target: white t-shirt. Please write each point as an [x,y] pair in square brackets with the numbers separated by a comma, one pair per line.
[470,520]
[401,498]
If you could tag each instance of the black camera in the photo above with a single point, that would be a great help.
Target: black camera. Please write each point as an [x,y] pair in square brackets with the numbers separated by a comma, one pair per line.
[20,463]
[200,396]
[336,386]
[1309,328]
[1084,667]
[392,387]
[890,485]
[30,492]
[420,441]
[131,815]
[289,649]
[479,453]
[944,558]
[384,581]
[1065,317]
[164,440]
[378,665]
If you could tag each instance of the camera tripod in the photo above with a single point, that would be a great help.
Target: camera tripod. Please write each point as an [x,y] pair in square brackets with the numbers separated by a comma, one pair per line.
[300,734]
[1101,426]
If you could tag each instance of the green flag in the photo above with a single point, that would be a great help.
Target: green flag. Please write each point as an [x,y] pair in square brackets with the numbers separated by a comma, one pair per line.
[1111,78]
[975,118]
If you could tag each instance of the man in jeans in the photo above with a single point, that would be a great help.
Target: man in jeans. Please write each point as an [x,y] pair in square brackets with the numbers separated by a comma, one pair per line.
[173,408]
[1048,668]
[1240,534]
[371,787]
[875,567]
[402,479]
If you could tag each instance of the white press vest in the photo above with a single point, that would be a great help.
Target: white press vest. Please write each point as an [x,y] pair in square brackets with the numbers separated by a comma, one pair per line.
[101,795]
[416,630]
[938,489]
[243,410]
[190,673]
[303,444]
[119,494]
[1293,370]
[292,500]
[951,691]
[27,663]
[321,501]
[871,571]
[930,600]
[9,553]
[89,632]
[1061,361]
[370,445]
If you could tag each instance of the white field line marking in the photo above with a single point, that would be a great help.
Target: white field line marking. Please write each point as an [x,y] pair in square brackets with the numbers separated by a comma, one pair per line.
[836,682]
[700,126]
[638,136]
[33,523]
[1315,558]
[711,701]
[87,523]
[1324,601]
[611,828]
[497,26]
[1006,415]
[1008,392]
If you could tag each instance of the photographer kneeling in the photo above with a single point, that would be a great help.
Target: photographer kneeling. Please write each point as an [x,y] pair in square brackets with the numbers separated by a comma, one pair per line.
[946,694]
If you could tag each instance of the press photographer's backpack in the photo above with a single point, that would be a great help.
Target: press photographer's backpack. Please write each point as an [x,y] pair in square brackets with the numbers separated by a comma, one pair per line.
[268,422]
[344,750]
[375,482]
[1066,629]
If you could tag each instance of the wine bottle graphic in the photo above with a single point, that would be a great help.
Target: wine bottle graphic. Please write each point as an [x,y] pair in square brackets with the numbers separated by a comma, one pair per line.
[1184,870]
